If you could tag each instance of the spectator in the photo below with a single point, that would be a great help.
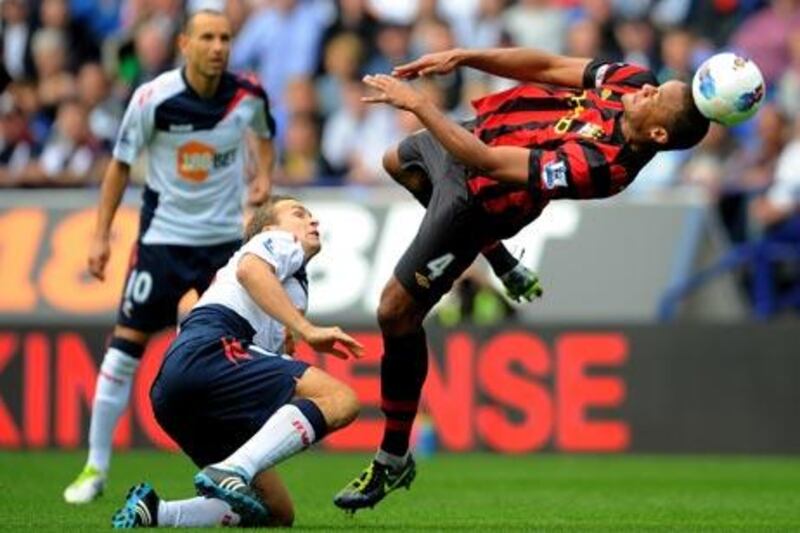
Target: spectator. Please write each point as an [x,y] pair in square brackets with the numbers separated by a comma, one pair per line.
[354,138]
[54,82]
[300,162]
[537,24]
[434,35]
[17,147]
[103,18]
[488,29]
[81,46]
[778,213]
[751,171]
[280,42]
[392,48]
[16,34]
[707,164]
[763,37]
[105,112]
[352,17]
[789,84]
[71,156]
[343,56]
[677,46]
[584,39]
[636,40]
[154,52]
[778,210]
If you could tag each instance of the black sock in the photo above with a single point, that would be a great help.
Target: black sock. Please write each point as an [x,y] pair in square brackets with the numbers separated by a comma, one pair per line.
[404,367]
[500,258]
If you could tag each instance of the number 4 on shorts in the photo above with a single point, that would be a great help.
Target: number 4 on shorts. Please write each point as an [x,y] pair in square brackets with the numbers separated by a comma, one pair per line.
[437,266]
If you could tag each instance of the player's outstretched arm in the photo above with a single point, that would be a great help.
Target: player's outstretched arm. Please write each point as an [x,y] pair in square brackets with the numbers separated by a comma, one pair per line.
[524,64]
[262,284]
[114,183]
[261,186]
[504,163]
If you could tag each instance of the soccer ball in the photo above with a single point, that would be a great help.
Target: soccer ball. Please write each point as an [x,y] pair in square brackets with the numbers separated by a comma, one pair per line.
[728,88]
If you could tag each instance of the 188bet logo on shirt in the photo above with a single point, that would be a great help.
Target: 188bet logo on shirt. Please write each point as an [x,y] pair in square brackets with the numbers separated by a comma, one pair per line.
[195,160]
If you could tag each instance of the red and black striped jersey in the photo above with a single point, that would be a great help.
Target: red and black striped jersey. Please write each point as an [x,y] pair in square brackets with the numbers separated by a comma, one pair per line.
[577,149]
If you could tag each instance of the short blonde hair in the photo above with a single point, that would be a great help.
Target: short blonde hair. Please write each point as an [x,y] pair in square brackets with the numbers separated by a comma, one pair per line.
[264,215]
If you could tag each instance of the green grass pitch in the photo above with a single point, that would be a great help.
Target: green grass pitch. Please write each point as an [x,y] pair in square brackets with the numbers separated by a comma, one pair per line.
[454,492]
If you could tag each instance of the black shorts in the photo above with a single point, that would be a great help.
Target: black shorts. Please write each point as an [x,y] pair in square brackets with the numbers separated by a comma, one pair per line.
[454,229]
[158,277]
[215,389]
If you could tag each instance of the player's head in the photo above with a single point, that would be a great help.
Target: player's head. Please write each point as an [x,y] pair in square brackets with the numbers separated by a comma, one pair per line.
[664,117]
[288,214]
[205,42]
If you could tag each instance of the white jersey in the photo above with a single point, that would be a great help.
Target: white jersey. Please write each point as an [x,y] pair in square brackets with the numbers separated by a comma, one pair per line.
[195,168]
[281,250]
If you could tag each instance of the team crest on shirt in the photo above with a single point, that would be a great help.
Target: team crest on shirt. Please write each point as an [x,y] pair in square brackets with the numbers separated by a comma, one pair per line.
[554,174]
[591,131]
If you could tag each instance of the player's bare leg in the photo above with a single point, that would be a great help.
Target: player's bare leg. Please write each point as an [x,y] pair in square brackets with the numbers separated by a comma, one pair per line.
[521,283]
[144,508]
[404,366]
[112,392]
[322,404]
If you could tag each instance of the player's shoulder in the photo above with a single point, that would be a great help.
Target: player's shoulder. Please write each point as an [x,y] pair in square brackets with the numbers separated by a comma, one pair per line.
[160,88]
[276,241]
[247,82]
[600,73]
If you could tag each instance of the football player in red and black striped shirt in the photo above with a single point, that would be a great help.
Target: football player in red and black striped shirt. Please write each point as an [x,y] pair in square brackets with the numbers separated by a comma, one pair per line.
[582,129]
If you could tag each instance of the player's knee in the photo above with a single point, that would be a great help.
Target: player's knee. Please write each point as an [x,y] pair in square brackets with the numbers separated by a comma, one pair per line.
[348,405]
[340,406]
[398,313]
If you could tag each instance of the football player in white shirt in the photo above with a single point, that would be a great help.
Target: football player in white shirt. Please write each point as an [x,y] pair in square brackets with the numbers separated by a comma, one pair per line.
[230,400]
[191,121]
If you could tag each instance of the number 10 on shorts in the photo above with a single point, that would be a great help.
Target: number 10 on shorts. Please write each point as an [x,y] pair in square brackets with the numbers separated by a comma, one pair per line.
[138,289]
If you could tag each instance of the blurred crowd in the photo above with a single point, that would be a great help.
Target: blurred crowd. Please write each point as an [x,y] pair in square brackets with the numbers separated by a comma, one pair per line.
[76,62]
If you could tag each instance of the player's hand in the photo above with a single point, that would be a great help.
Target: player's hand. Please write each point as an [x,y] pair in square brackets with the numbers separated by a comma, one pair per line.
[259,191]
[334,341]
[99,253]
[389,90]
[429,64]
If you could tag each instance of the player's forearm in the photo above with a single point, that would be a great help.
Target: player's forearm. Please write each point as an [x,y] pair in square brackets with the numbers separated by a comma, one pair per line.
[508,164]
[265,159]
[266,290]
[461,143]
[526,64]
[111,190]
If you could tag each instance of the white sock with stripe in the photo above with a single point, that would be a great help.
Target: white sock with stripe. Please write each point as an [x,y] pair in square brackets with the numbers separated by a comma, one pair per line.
[196,512]
[286,433]
[110,399]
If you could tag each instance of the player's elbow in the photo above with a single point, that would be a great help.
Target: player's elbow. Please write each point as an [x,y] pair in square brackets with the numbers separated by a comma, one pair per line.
[244,274]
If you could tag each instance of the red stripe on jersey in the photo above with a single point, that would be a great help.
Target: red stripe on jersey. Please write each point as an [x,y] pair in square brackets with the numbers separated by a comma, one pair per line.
[622,73]
[579,173]
[237,97]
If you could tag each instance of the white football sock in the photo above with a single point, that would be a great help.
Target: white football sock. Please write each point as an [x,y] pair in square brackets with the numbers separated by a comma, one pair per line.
[110,399]
[391,460]
[196,512]
[286,432]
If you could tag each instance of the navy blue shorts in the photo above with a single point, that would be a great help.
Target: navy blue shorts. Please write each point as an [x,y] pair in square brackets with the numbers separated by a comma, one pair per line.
[159,276]
[215,389]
